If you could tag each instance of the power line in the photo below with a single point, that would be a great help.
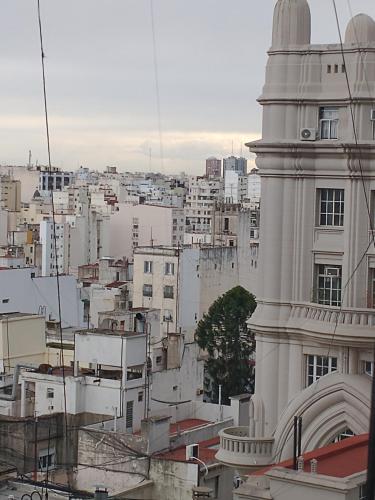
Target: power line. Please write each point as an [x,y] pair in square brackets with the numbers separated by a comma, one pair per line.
[53,223]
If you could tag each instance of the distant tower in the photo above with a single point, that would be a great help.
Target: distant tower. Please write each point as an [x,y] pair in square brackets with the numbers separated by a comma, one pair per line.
[213,167]
[238,165]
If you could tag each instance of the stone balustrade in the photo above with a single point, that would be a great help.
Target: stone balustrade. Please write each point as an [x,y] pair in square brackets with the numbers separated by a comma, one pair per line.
[240,450]
[351,317]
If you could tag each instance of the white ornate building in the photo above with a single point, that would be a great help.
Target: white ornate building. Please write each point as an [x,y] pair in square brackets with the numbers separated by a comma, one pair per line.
[315,319]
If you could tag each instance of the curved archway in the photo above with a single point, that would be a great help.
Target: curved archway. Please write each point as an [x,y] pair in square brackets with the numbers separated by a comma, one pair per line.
[333,403]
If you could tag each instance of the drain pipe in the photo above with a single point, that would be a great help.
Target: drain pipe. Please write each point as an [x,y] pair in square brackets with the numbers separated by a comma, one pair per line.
[16,374]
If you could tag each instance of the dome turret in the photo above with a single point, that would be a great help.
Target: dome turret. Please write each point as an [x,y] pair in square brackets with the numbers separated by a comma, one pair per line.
[361,29]
[291,24]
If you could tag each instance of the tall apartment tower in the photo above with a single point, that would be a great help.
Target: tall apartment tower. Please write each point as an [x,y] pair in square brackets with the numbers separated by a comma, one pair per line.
[314,323]
[238,165]
[213,167]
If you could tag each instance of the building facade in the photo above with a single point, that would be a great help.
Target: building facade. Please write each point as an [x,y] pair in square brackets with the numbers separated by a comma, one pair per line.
[315,314]
[213,167]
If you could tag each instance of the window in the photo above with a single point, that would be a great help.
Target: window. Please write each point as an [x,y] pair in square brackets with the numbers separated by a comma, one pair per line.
[50,393]
[368,368]
[168,316]
[168,292]
[345,434]
[147,290]
[329,285]
[5,301]
[329,122]
[318,366]
[362,492]
[47,459]
[331,207]
[159,359]
[140,396]
[147,267]
[329,68]
[169,268]
[129,415]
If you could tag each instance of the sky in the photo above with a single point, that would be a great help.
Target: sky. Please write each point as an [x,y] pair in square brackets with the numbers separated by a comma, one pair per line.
[102,81]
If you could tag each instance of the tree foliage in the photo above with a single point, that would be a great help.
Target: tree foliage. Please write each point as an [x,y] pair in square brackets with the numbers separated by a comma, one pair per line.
[224,334]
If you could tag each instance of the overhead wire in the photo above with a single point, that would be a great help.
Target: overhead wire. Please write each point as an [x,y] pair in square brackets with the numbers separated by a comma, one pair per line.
[50,170]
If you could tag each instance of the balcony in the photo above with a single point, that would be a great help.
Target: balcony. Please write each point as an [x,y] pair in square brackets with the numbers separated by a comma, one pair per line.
[237,449]
[345,321]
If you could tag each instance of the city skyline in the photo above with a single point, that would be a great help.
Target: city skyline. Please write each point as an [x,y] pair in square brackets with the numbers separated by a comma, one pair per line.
[101,82]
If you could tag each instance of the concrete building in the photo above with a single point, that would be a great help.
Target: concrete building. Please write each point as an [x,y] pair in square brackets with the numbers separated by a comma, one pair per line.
[108,378]
[235,164]
[200,203]
[213,167]
[55,180]
[183,283]
[139,225]
[315,314]
[22,340]
[254,186]
[235,187]
[21,290]
[49,248]
[10,193]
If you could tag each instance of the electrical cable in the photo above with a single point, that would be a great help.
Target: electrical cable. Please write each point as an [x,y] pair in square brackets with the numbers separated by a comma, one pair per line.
[42,53]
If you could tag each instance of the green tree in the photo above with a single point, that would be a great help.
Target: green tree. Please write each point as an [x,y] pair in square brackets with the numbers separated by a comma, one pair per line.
[224,334]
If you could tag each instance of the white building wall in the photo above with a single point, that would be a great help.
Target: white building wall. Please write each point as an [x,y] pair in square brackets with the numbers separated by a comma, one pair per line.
[21,292]
[3,226]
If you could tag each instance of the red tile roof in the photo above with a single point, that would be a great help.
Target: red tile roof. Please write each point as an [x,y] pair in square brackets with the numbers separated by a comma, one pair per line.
[207,452]
[337,460]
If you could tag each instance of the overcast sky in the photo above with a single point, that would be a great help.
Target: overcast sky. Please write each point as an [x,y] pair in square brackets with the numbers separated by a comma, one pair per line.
[101,88]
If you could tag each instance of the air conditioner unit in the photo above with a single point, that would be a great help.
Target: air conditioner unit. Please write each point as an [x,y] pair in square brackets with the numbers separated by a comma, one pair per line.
[192,451]
[372,116]
[308,134]
[332,271]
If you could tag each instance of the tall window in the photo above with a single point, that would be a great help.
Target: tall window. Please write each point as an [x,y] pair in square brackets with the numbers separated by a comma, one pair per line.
[368,368]
[169,268]
[328,285]
[318,366]
[168,292]
[47,459]
[329,122]
[331,207]
[147,267]
[362,492]
[147,290]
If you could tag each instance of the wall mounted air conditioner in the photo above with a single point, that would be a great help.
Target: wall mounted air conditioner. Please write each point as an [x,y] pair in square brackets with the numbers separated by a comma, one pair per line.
[308,134]
[192,451]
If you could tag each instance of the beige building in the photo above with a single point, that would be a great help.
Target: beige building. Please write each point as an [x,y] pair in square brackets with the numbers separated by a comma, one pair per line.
[315,314]
[10,193]
[22,340]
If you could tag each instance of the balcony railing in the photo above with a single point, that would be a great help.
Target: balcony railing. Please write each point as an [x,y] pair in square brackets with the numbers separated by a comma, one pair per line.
[334,315]
[239,450]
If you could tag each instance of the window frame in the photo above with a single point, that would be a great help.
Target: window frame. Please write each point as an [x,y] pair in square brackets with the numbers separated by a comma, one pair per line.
[147,266]
[331,122]
[169,269]
[149,287]
[166,294]
[328,286]
[331,207]
[316,361]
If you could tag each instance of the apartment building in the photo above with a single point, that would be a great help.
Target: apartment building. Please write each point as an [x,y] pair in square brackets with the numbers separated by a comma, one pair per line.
[213,167]
[315,314]
[235,187]
[10,193]
[131,226]
[199,208]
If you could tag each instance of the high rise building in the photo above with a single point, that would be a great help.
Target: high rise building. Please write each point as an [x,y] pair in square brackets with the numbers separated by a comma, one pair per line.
[316,299]
[213,167]
[235,164]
